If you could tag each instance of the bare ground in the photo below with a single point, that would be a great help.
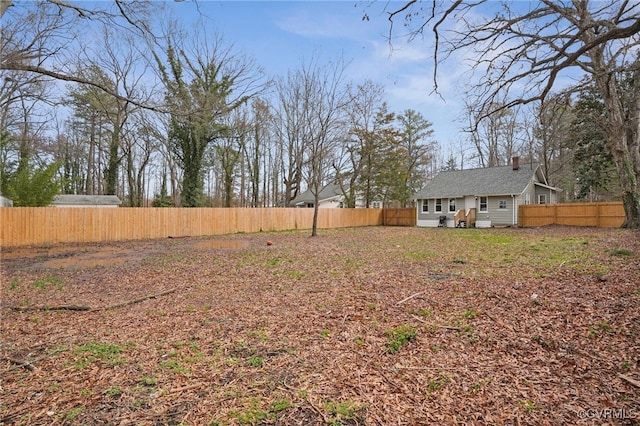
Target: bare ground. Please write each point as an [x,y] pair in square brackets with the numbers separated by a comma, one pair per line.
[372,326]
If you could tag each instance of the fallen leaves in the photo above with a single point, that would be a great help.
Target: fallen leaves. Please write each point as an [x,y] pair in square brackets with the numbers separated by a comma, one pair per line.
[524,331]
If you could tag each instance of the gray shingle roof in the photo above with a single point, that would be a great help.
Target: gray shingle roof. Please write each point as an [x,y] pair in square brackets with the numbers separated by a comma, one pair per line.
[329,191]
[487,181]
[85,200]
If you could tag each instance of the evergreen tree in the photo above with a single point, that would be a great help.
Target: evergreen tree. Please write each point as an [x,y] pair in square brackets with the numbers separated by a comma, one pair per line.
[33,187]
[593,163]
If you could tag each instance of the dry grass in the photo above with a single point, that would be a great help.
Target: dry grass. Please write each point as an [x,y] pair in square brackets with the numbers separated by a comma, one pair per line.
[507,327]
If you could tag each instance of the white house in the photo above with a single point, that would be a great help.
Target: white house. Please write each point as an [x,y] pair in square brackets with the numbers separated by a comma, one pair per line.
[330,197]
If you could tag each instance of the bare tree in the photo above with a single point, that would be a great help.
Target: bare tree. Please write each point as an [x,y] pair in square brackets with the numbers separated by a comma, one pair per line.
[550,142]
[289,127]
[255,150]
[324,99]
[42,38]
[366,101]
[526,49]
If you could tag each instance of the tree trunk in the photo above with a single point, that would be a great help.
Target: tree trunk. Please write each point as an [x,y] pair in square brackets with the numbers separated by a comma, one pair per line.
[114,162]
[622,137]
[316,200]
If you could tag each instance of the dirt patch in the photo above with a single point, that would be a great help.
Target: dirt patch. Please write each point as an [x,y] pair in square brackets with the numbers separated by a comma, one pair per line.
[223,244]
[108,256]
[374,325]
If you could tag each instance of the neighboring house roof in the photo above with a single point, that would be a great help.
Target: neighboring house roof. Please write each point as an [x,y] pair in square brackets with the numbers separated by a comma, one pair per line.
[85,200]
[5,202]
[327,193]
[502,180]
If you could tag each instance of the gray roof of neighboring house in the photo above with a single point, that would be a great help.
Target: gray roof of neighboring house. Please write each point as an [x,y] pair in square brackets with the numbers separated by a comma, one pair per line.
[85,200]
[330,191]
[5,202]
[484,182]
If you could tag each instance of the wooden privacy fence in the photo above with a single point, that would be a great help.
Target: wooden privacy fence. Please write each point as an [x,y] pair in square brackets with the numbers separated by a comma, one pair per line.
[602,215]
[399,217]
[20,226]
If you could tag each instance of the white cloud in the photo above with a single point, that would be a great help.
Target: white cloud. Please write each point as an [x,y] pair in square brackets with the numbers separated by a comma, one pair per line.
[320,22]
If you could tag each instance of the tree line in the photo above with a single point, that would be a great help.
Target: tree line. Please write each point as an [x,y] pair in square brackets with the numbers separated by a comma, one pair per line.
[187,120]
[148,110]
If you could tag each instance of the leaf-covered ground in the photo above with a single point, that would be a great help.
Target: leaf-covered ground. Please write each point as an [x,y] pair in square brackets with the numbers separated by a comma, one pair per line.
[372,326]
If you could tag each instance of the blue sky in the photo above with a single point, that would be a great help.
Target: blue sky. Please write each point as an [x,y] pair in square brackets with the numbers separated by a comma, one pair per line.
[282,35]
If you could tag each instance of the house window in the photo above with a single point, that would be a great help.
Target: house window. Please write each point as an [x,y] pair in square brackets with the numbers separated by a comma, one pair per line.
[438,205]
[542,198]
[483,204]
[527,198]
[452,204]
[309,205]
[425,206]
[502,204]
[376,205]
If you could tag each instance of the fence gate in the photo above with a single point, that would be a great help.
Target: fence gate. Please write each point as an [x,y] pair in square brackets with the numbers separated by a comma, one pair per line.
[399,217]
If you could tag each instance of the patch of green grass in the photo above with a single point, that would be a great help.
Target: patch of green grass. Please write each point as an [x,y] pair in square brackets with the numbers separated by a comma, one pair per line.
[425,312]
[14,283]
[437,348]
[621,252]
[437,383]
[73,413]
[47,281]
[114,392]
[255,361]
[256,412]
[296,275]
[478,386]
[274,261]
[175,366]
[260,334]
[325,333]
[106,353]
[470,314]
[345,410]
[149,381]
[467,330]
[601,327]
[353,264]
[399,336]
[529,406]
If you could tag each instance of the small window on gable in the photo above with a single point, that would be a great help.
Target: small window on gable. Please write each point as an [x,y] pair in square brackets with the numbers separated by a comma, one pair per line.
[452,204]
[425,206]
[438,205]
[542,199]
[502,204]
[376,204]
[483,204]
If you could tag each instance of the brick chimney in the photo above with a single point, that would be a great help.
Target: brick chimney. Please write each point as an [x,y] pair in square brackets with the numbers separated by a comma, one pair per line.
[516,163]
